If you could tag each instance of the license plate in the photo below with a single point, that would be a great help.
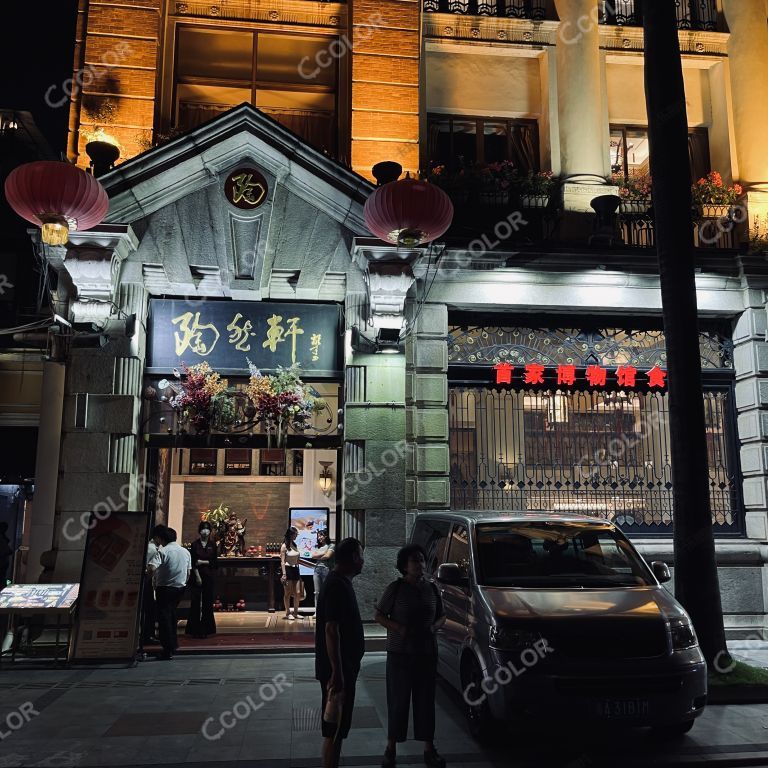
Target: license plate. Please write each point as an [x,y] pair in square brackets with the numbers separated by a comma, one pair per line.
[622,708]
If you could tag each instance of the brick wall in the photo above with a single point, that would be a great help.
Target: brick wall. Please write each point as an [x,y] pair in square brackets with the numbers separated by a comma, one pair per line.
[385,83]
[263,505]
[116,59]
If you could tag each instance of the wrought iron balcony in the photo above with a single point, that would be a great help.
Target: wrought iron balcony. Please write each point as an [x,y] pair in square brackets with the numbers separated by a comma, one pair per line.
[699,15]
[514,9]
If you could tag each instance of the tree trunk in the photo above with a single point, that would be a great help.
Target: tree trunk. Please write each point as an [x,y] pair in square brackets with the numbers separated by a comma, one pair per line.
[696,582]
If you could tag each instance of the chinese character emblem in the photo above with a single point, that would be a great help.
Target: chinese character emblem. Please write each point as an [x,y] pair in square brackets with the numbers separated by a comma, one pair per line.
[246,188]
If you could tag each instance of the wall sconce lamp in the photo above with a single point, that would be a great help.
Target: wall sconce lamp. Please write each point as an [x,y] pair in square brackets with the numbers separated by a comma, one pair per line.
[326,477]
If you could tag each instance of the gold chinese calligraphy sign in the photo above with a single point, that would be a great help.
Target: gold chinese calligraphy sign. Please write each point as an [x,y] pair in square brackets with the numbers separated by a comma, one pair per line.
[246,188]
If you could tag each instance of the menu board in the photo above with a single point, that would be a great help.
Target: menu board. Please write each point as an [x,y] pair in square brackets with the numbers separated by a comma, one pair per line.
[110,587]
[308,521]
[38,597]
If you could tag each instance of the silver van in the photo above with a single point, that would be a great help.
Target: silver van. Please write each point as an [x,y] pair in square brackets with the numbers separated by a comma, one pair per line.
[559,616]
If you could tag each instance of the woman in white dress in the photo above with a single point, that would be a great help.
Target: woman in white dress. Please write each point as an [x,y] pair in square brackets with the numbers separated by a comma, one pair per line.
[290,578]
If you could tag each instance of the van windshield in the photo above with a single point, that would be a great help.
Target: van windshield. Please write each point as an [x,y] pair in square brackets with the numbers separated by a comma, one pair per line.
[548,554]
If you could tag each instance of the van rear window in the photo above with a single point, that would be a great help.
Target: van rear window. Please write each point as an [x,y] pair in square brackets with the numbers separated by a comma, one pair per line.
[556,554]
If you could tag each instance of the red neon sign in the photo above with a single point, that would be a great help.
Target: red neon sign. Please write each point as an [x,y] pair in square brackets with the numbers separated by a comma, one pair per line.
[626,376]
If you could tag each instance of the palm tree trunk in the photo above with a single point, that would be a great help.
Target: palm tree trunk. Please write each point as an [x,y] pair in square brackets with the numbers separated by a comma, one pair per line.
[696,582]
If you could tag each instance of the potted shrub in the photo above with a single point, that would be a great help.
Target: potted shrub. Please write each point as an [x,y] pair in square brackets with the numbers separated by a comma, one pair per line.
[635,193]
[535,189]
[713,198]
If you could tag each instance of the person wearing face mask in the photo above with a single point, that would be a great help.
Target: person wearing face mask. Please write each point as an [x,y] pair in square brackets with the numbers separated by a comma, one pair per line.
[201,622]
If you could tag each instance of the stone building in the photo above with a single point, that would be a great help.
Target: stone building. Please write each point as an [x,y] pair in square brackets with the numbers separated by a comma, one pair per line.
[476,407]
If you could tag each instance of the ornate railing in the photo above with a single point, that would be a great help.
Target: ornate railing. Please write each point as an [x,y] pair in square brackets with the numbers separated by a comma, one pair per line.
[514,9]
[717,227]
[700,15]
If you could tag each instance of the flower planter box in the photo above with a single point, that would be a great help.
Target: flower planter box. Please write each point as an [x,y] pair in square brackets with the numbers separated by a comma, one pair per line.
[634,207]
[712,211]
[534,201]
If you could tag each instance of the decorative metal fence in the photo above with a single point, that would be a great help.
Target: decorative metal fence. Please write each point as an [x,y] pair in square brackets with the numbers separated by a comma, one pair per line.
[515,9]
[600,453]
[700,15]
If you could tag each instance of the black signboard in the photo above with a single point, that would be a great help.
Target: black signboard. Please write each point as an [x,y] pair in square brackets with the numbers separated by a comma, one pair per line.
[227,334]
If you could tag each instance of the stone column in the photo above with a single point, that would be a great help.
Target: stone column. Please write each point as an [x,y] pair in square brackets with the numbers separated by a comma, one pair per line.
[373,491]
[751,363]
[426,396]
[99,466]
[747,54]
[42,520]
[580,100]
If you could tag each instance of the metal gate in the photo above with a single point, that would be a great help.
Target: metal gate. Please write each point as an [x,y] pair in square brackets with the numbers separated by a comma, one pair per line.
[600,453]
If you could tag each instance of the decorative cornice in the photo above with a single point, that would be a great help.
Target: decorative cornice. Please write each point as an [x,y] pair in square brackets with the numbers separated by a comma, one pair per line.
[489,29]
[288,12]
[449,27]
[630,39]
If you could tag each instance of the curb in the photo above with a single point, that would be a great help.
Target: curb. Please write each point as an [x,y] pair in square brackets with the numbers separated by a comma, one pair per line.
[737,694]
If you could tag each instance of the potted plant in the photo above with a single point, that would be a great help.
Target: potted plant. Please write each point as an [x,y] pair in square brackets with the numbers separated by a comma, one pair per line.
[282,401]
[535,189]
[713,198]
[202,400]
[634,191]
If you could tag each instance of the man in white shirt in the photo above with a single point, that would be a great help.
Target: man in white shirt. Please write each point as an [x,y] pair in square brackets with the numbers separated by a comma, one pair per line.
[170,576]
[148,606]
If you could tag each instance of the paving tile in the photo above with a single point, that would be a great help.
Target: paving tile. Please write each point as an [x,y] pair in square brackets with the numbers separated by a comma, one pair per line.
[149,724]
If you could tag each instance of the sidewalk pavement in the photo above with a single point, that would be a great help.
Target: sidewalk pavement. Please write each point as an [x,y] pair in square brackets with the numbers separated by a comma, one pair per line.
[154,713]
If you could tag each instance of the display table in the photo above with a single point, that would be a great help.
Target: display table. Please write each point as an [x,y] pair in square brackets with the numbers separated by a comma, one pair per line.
[51,601]
[269,562]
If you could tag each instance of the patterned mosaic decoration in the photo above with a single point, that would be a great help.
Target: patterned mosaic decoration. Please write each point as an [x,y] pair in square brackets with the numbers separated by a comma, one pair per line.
[565,346]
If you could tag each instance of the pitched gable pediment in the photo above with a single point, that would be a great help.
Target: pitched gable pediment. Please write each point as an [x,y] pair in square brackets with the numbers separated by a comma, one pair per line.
[191,235]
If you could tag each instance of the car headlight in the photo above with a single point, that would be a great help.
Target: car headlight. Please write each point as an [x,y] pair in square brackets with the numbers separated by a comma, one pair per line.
[509,638]
[683,634]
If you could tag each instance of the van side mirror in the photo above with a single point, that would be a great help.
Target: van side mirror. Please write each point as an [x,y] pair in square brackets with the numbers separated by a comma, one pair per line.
[450,573]
[661,571]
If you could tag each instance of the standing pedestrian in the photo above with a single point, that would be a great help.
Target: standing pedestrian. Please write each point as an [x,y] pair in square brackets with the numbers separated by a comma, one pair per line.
[201,621]
[411,609]
[291,578]
[171,577]
[322,558]
[148,604]
[339,648]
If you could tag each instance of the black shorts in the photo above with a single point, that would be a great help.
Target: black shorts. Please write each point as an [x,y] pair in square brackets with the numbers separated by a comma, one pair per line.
[340,730]
[292,573]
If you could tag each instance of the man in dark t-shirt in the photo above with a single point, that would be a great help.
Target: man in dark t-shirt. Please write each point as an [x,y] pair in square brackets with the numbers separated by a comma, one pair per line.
[339,645]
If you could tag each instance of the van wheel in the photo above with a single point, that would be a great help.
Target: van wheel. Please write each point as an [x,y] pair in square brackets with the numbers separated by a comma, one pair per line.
[478,713]
[675,730]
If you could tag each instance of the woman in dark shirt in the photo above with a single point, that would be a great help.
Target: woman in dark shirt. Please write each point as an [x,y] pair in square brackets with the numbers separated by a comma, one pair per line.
[412,611]
[201,622]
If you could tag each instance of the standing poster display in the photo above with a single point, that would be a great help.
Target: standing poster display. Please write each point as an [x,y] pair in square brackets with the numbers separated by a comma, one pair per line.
[107,621]
[308,521]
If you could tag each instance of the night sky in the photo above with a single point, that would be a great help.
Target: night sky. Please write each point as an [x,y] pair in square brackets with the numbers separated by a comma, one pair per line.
[37,51]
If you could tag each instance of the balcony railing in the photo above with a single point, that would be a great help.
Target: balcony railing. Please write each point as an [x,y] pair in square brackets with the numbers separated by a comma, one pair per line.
[699,15]
[514,9]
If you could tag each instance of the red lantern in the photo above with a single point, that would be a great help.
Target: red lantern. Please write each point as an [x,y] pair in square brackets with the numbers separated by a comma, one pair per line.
[408,212]
[58,197]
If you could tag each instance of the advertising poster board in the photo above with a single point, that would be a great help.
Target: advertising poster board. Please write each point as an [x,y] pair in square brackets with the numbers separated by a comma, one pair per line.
[308,521]
[110,587]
